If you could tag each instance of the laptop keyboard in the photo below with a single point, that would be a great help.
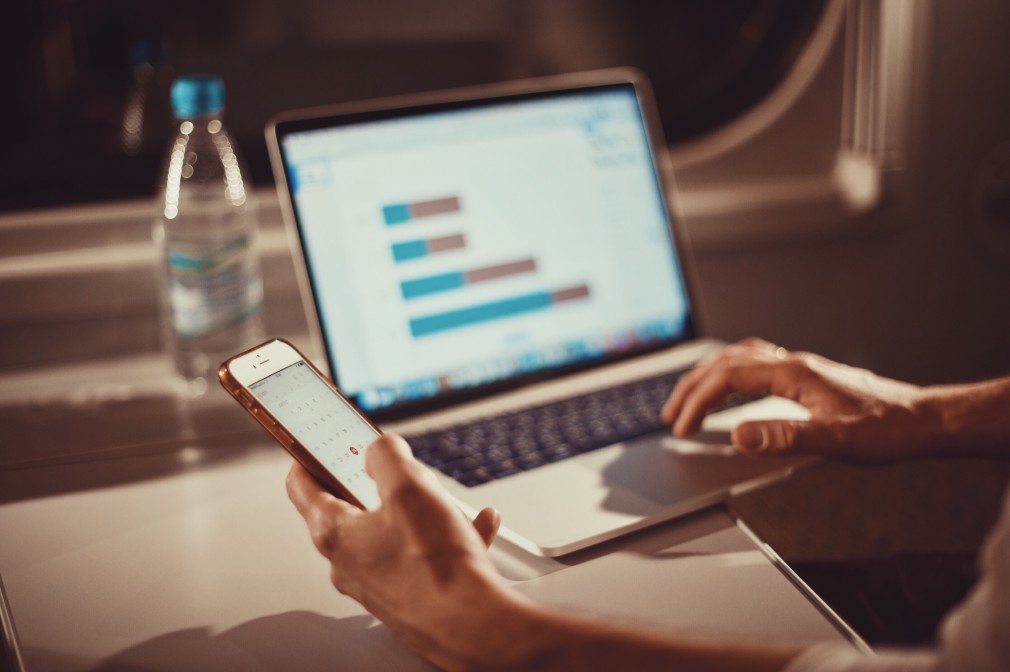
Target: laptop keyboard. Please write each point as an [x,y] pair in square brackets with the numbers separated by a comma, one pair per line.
[496,447]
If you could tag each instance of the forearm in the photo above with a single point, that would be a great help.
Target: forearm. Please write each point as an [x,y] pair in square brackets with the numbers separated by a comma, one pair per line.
[970,419]
[527,636]
[582,644]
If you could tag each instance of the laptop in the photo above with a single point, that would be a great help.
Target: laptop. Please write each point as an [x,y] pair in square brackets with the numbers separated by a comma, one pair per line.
[498,274]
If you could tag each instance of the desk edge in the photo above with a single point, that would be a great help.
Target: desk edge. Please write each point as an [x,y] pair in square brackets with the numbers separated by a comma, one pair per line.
[830,614]
[11,644]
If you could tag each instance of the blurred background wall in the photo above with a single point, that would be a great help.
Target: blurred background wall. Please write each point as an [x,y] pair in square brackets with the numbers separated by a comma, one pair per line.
[76,67]
[897,261]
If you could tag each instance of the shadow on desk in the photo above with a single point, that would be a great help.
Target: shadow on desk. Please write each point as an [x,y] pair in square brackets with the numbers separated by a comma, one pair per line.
[295,640]
[131,465]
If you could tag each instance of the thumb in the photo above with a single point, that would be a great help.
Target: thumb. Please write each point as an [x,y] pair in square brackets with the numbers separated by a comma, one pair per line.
[785,436]
[486,523]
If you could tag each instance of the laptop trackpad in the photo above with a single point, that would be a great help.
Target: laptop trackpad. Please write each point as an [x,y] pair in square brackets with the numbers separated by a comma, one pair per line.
[670,472]
[602,494]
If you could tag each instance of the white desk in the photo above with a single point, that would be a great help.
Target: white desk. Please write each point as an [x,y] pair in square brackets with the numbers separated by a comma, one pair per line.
[142,530]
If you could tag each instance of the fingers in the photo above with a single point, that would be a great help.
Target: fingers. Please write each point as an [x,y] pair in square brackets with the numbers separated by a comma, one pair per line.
[790,436]
[718,381]
[751,350]
[752,366]
[407,489]
[413,496]
[487,523]
[392,466]
[386,455]
[687,382]
[304,491]
[323,512]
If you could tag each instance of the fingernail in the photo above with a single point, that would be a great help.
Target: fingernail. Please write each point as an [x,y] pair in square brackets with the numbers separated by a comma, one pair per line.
[751,437]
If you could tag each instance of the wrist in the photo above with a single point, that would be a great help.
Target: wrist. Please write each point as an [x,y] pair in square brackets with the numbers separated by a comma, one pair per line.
[529,637]
[934,422]
[968,419]
[492,627]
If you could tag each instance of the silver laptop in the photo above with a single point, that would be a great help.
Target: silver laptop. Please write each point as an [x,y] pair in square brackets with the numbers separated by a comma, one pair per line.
[497,274]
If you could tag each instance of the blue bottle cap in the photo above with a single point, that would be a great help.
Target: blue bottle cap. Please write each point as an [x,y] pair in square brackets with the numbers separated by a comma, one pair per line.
[197,96]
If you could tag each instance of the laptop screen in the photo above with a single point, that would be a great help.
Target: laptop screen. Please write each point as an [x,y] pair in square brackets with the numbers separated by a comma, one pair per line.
[456,246]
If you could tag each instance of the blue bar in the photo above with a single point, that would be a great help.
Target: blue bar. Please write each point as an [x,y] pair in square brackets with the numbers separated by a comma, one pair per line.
[432,284]
[411,249]
[422,326]
[396,214]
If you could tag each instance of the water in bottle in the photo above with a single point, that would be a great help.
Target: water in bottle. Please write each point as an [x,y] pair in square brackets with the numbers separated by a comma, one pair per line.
[206,228]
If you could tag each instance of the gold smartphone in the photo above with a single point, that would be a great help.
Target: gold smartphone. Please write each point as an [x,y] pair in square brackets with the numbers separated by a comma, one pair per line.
[307,414]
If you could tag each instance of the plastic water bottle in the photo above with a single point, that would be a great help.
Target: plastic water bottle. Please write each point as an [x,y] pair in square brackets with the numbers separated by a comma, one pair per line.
[207,232]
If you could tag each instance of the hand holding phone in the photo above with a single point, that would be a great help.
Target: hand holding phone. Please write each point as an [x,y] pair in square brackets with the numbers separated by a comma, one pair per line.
[307,414]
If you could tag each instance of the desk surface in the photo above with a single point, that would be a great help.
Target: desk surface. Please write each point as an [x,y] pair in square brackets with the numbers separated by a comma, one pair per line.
[145,530]
[194,559]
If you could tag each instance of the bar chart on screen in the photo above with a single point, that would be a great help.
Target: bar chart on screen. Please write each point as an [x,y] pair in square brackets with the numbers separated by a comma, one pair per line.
[495,310]
[457,275]
[408,250]
[402,213]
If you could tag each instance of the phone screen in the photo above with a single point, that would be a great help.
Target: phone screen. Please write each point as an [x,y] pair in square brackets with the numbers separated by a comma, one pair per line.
[323,423]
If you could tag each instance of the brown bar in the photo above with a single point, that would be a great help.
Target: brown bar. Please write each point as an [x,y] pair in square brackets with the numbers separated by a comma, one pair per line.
[437,206]
[579,292]
[446,243]
[500,271]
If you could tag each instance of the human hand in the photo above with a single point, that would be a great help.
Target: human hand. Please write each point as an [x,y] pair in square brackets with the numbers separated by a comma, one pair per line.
[422,568]
[854,413]
[415,562]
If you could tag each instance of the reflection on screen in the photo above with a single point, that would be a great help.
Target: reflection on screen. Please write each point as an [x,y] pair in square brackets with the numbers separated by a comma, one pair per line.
[455,248]
[323,423]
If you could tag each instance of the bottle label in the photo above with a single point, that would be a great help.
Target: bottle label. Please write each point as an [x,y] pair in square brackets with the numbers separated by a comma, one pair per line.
[212,287]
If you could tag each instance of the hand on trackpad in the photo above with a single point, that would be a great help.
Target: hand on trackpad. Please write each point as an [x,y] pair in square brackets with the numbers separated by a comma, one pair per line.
[704,442]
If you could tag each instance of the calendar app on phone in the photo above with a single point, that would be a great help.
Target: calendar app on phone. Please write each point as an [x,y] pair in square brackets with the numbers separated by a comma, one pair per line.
[323,423]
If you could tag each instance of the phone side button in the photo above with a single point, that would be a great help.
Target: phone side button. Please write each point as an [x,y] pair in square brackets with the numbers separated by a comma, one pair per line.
[264,419]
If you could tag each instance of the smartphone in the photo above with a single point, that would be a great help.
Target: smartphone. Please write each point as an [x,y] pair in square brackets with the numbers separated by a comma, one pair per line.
[307,414]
